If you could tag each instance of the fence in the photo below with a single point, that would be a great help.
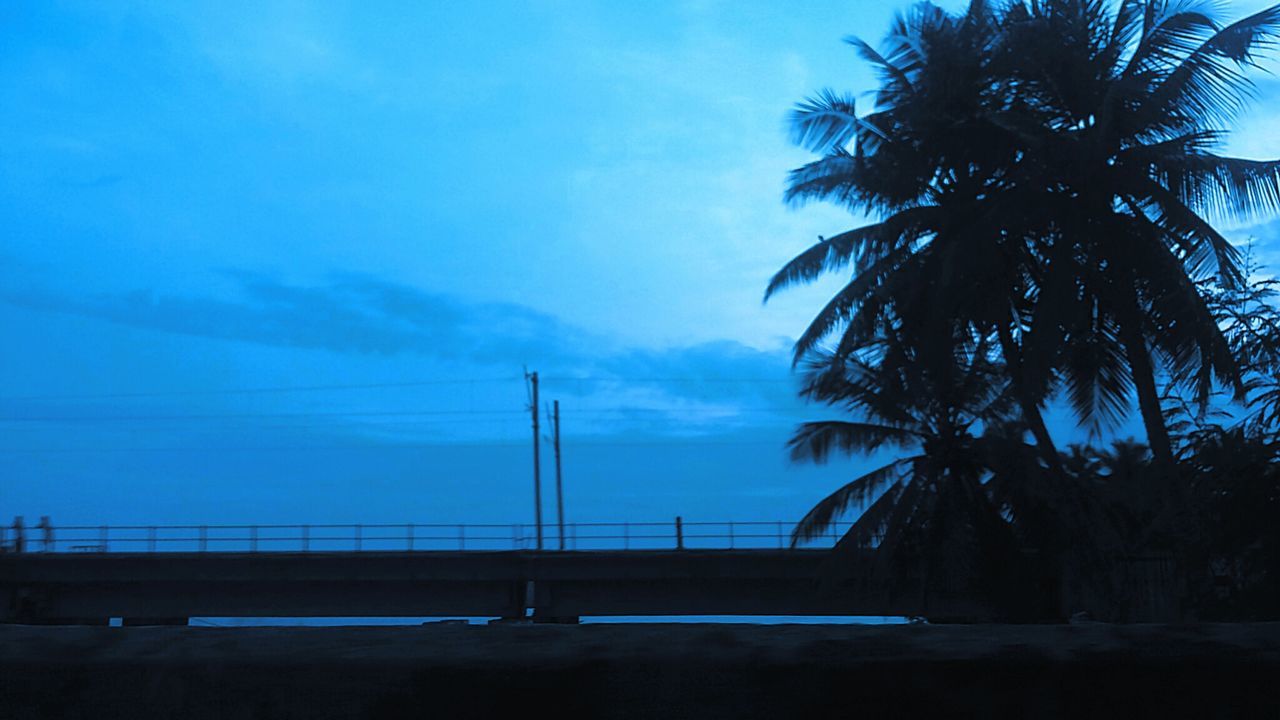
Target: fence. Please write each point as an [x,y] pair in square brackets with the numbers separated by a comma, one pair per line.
[406,537]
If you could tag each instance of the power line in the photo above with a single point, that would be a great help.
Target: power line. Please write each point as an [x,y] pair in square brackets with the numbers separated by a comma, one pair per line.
[240,416]
[392,446]
[368,447]
[593,412]
[258,390]
[387,385]
[392,423]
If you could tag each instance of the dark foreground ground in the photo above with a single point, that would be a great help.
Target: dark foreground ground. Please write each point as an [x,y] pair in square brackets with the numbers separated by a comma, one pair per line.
[640,671]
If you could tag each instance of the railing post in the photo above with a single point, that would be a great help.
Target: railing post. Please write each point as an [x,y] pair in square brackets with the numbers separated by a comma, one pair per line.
[679,533]
[359,539]
[151,539]
[780,545]
[462,537]
[253,538]
[408,529]
[306,538]
[731,536]
[204,538]
[105,536]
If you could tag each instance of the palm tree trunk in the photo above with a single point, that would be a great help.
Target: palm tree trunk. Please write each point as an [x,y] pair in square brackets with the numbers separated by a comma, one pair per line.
[1179,509]
[1030,408]
[1144,382]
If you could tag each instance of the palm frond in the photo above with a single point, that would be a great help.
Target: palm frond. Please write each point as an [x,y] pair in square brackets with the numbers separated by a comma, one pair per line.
[818,520]
[854,295]
[1188,333]
[1208,84]
[907,517]
[1204,247]
[1058,295]
[893,79]
[815,441]
[1096,376]
[1266,403]
[1248,189]
[1239,40]
[837,177]
[1127,27]
[880,183]
[871,243]
[825,122]
[1170,30]
[874,390]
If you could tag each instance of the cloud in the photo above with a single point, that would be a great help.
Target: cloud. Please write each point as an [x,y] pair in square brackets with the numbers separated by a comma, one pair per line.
[352,315]
[361,315]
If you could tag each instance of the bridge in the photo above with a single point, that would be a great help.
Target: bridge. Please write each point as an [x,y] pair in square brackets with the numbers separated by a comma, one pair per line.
[72,575]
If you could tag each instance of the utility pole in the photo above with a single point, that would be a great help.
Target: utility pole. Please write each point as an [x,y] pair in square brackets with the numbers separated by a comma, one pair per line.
[532,378]
[555,418]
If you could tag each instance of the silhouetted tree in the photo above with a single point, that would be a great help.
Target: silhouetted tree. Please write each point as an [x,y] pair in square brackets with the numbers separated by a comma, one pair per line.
[923,161]
[1042,173]
[1123,114]
[1250,320]
[928,515]
[1236,482]
[1233,459]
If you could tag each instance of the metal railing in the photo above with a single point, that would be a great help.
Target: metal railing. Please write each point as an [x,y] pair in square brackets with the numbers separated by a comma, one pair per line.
[390,537]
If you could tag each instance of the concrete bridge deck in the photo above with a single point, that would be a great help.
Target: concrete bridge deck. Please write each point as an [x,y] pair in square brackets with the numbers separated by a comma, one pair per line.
[56,587]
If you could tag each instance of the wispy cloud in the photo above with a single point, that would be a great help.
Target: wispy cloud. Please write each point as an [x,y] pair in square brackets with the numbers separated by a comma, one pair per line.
[359,315]
[351,315]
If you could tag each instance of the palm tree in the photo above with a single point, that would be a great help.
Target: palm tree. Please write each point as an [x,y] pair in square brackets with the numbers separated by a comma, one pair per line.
[924,160]
[1043,173]
[1123,114]
[927,515]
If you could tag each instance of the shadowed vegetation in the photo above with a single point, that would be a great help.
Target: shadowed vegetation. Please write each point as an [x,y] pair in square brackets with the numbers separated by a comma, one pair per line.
[1043,180]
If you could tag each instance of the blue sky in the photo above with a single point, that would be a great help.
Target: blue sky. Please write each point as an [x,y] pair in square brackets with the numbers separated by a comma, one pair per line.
[203,199]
